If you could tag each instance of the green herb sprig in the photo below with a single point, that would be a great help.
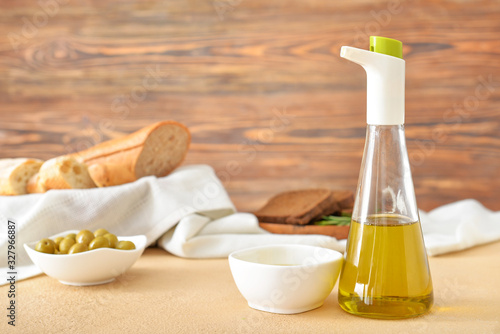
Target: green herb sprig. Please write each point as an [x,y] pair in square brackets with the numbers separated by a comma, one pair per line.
[343,220]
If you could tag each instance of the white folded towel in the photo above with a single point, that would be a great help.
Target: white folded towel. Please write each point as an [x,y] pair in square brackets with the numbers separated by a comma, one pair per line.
[200,236]
[458,226]
[190,214]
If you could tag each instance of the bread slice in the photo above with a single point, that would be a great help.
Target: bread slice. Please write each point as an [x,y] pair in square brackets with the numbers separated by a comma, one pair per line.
[345,200]
[154,150]
[298,207]
[63,172]
[15,174]
[34,185]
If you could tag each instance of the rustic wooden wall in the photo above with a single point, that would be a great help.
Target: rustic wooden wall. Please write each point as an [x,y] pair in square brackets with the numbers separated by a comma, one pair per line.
[270,104]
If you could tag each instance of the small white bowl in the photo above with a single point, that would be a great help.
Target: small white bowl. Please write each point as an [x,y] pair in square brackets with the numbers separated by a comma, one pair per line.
[285,279]
[93,267]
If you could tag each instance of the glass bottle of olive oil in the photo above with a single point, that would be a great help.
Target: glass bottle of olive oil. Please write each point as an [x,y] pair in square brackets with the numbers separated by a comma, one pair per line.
[385,272]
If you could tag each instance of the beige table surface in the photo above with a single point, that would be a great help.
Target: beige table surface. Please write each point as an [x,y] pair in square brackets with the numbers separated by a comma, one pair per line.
[162,293]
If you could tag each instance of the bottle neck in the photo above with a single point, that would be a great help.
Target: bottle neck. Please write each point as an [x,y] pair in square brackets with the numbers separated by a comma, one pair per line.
[385,185]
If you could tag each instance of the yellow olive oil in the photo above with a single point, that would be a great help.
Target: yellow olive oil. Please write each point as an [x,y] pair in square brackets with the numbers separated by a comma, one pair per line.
[386,274]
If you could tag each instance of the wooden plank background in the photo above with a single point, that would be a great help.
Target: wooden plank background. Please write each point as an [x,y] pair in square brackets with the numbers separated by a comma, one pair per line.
[270,104]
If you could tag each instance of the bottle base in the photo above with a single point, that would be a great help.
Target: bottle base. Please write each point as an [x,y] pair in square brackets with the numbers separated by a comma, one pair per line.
[386,307]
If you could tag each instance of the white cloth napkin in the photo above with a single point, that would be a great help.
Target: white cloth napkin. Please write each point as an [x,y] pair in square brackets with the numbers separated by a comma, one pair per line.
[458,226]
[201,236]
[190,214]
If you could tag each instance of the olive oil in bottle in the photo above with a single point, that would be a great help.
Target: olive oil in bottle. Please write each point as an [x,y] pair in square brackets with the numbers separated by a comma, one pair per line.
[384,278]
[385,273]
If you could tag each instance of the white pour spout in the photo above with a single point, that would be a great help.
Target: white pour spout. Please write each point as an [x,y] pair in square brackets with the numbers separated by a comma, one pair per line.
[385,75]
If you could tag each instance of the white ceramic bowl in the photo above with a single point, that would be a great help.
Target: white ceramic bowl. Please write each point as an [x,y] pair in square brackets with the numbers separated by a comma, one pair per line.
[285,279]
[94,267]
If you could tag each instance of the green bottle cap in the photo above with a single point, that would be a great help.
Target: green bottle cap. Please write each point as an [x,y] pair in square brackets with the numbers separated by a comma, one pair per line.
[387,46]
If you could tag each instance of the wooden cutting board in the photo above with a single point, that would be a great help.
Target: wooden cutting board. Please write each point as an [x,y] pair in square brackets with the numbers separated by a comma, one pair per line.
[339,232]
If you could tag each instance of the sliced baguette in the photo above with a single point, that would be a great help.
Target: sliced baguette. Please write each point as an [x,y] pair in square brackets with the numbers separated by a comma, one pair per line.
[63,172]
[34,185]
[15,174]
[154,150]
[298,207]
[105,175]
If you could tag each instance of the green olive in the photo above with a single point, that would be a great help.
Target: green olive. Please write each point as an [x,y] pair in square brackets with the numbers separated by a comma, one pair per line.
[53,244]
[65,245]
[58,241]
[125,245]
[99,242]
[71,235]
[100,232]
[113,240]
[78,248]
[84,237]
[45,246]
